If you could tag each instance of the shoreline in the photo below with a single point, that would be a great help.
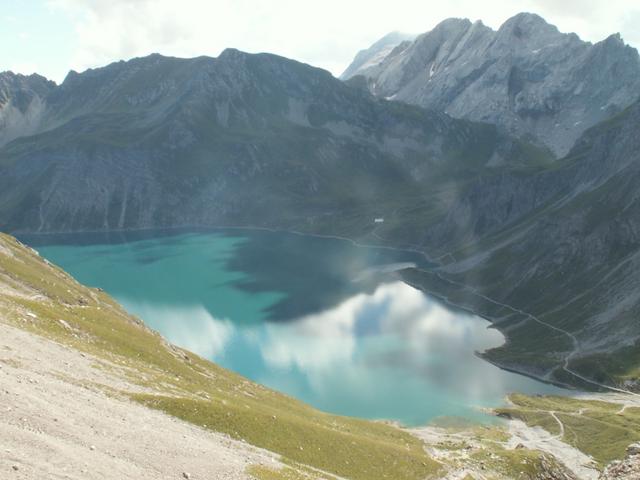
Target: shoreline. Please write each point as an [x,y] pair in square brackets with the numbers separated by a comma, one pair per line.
[19,233]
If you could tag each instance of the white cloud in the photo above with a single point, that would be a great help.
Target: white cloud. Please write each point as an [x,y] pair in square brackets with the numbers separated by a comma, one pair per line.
[326,34]
[297,344]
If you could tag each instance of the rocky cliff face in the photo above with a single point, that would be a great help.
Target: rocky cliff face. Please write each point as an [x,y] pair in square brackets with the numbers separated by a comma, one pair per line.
[21,104]
[557,253]
[625,469]
[527,77]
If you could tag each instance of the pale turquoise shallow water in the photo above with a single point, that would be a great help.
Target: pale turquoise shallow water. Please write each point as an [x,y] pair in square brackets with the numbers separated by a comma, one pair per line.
[319,319]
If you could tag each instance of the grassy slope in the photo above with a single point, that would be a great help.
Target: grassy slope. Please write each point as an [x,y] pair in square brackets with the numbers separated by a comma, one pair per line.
[197,390]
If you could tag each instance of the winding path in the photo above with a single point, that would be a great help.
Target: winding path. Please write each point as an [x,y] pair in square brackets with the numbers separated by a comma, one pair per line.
[560,435]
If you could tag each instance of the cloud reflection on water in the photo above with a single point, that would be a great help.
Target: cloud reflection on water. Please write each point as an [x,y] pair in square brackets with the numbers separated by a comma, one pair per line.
[373,354]
[395,328]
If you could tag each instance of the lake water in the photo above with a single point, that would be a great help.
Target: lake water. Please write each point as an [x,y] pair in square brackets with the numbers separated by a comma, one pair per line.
[323,320]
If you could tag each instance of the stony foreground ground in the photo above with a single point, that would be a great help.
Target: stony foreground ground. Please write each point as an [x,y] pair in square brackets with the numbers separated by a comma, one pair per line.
[58,422]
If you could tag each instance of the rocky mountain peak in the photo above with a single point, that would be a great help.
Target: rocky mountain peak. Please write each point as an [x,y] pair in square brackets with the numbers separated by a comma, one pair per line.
[525,24]
[614,45]
[530,79]
[21,103]
[452,25]
[231,55]
[614,39]
[20,90]
[376,52]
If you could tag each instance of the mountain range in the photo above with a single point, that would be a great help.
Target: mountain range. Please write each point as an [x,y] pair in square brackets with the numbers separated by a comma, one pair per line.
[527,77]
[517,178]
[239,139]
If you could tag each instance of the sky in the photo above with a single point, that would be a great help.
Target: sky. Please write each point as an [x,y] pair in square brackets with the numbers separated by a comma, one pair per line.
[51,37]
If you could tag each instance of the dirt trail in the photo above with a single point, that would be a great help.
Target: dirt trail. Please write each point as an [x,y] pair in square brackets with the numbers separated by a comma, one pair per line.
[537,438]
[560,425]
[56,424]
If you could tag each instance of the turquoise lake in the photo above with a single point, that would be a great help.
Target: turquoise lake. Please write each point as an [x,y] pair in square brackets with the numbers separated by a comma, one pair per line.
[323,320]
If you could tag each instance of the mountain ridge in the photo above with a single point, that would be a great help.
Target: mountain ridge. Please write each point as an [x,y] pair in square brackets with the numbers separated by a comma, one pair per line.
[527,77]
[232,109]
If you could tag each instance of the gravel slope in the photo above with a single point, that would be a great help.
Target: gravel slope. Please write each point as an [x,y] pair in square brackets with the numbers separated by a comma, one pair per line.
[58,422]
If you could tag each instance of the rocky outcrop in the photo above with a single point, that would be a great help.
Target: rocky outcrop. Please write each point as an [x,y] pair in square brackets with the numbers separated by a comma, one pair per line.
[526,77]
[550,469]
[626,469]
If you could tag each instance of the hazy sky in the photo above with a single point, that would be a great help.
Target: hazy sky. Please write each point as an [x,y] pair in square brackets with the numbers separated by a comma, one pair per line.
[53,36]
